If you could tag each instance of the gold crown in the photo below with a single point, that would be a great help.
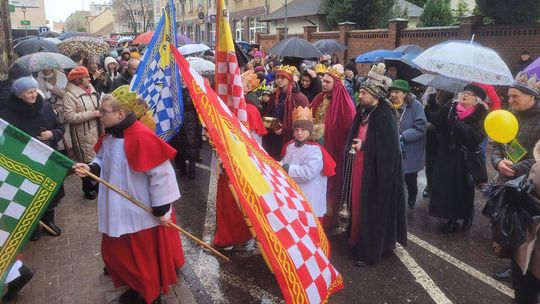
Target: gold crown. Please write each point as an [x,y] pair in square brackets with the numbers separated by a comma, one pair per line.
[523,80]
[289,69]
[336,71]
[130,101]
[251,80]
[302,113]
[320,68]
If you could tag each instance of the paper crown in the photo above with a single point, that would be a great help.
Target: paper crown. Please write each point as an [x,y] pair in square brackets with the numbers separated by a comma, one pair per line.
[130,101]
[337,71]
[377,73]
[321,68]
[302,113]
[251,80]
[528,84]
[287,69]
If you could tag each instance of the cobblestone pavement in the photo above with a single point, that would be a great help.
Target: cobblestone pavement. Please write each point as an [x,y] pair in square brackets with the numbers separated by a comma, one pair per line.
[69,269]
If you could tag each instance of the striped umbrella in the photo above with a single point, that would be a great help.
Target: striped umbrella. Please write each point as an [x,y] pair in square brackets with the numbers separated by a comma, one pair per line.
[44,60]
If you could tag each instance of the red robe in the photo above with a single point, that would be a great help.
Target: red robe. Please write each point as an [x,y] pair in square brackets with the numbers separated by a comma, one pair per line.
[337,124]
[146,260]
[255,121]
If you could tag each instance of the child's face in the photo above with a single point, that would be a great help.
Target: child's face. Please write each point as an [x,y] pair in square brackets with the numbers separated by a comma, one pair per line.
[265,98]
[301,134]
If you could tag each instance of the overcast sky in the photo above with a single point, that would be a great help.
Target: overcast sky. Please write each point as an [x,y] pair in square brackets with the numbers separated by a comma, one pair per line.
[59,10]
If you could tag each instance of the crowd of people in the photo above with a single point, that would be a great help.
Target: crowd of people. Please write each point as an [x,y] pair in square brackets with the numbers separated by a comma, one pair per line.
[345,136]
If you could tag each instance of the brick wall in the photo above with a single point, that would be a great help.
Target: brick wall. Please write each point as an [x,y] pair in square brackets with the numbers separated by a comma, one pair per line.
[508,41]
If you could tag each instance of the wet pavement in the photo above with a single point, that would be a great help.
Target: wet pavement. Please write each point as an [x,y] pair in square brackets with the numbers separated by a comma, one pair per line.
[432,268]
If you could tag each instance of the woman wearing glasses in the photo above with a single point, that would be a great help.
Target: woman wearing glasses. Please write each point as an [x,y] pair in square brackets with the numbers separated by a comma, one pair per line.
[81,111]
[460,129]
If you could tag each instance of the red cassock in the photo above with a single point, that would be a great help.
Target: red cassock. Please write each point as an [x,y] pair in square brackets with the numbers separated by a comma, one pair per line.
[231,227]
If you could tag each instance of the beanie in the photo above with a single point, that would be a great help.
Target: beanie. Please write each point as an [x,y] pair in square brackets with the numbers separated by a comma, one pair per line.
[22,84]
[304,123]
[477,90]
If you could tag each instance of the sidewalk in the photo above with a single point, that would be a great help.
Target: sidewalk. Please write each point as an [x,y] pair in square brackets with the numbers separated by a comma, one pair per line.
[69,269]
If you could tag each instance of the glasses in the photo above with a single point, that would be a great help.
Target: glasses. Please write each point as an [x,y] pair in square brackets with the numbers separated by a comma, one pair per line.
[103,111]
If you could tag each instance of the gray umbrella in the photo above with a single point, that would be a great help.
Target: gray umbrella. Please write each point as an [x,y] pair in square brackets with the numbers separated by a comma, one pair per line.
[31,46]
[329,46]
[70,34]
[441,82]
[409,49]
[295,47]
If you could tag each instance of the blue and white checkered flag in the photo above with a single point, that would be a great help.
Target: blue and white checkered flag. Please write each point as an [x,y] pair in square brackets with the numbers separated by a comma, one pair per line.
[157,81]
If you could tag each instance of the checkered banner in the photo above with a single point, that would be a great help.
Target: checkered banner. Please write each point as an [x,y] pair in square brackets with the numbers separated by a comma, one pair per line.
[157,82]
[30,175]
[290,235]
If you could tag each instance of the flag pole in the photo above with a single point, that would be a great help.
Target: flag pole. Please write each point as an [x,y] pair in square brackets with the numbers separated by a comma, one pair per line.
[49,230]
[147,209]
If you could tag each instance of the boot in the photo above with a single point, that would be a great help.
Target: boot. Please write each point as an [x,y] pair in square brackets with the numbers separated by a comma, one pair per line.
[128,297]
[191,173]
[48,219]
[36,234]
[14,286]
[505,275]
[450,226]
[467,224]
[427,192]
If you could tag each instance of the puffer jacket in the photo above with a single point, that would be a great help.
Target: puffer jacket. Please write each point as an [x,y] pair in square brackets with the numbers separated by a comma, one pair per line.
[528,135]
[84,128]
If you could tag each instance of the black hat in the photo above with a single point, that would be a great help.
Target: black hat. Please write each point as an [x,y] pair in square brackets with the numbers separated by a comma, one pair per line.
[352,67]
[477,90]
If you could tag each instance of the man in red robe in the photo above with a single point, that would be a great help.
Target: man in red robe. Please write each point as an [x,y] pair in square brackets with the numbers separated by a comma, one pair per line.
[333,114]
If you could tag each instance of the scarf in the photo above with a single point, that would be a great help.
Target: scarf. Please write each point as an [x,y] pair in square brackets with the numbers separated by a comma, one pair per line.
[463,112]
[87,89]
[117,131]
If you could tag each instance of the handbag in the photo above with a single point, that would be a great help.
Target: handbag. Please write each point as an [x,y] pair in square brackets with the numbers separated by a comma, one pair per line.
[475,165]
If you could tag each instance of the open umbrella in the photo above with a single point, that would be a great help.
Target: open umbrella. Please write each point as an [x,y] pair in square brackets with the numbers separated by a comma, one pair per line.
[295,47]
[375,55]
[91,45]
[43,60]
[53,40]
[329,46]
[193,48]
[533,68]
[183,39]
[407,70]
[409,49]
[70,34]
[200,65]
[466,61]
[124,39]
[143,38]
[49,34]
[30,46]
[441,82]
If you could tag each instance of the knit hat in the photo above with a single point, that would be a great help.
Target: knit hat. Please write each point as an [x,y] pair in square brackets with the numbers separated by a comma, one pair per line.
[257,54]
[527,84]
[16,71]
[377,73]
[109,60]
[77,73]
[259,68]
[352,67]
[302,118]
[477,90]
[22,84]
[400,84]
[375,88]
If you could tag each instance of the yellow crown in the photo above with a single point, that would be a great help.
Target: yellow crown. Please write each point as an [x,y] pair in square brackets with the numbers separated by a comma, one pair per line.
[336,71]
[251,80]
[320,68]
[523,80]
[302,113]
[130,101]
[289,69]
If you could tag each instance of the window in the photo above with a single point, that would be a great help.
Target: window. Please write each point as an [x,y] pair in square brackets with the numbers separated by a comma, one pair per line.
[239,30]
[190,6]
[209,3]
[255,27]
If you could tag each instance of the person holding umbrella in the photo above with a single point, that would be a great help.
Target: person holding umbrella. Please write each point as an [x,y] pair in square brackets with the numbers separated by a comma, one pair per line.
[460,128]
[81,111]
[412,134]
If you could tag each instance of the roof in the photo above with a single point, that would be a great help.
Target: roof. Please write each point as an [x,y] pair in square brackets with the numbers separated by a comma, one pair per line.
[413,10]
[297,8]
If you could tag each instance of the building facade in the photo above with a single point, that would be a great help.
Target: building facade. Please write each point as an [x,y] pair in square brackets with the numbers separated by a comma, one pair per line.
[98,8]
[77,21]
[132,17]
[33,11]
[102,24]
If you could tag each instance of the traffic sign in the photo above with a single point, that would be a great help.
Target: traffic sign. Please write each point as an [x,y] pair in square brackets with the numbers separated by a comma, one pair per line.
[43,29]
[11,8]
[25,22]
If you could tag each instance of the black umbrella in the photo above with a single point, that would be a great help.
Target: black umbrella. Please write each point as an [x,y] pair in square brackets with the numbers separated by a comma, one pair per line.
[70,34]
[240,55]
[31,46]
[295,47]
[409,49]
[329,46]
[406,69]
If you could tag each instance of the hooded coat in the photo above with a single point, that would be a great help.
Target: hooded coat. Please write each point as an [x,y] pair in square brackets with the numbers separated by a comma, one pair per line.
[382,212]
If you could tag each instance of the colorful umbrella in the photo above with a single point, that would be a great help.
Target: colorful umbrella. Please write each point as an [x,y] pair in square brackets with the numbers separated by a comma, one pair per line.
[193,48]
[295,47]
[329,46]
[466,61]
[30,46]
[533,68]
[91,45]
[143,38]
[375,55]
[43,60]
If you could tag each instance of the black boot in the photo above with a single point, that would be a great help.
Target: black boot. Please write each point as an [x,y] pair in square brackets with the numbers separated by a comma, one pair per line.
[14,286]
[467,224]
[426,193]
[36,234]
[411,202]
[48,219]
[450,226]
[128,297]
[191,173]
[505,275]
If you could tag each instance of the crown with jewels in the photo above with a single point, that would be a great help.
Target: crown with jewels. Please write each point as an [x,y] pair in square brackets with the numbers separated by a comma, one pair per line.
[529,84]
[302,113]
[251,80]
[288,69]
[377,73]
[337,71]
[321,68]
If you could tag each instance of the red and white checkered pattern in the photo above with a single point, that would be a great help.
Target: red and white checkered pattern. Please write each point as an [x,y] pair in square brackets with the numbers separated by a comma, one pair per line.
[229,84]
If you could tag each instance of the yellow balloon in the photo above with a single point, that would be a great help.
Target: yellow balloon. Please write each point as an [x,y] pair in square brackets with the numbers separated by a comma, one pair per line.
[501,125]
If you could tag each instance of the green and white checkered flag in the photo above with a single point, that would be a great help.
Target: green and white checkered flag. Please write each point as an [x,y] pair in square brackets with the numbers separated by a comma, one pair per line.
[30,174]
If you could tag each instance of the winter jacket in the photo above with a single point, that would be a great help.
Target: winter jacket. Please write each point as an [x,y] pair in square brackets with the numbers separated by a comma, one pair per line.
[528,135]
[84,127]
[33,118]
[412,131]
[188,142]
[120,80]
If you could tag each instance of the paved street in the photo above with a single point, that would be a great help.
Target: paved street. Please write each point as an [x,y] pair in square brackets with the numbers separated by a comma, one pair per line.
[432,268]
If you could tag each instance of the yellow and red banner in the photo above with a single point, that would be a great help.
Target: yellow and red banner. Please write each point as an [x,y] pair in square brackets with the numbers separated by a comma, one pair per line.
[228,80]
[288,231]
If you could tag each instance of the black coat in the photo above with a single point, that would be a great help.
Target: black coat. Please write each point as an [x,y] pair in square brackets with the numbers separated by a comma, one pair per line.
[120,80]
[33,118]
[452,193]
[383,215]
[188,142]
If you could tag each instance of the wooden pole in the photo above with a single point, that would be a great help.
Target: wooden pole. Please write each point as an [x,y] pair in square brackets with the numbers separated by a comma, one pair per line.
[149,210]
[49,230]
